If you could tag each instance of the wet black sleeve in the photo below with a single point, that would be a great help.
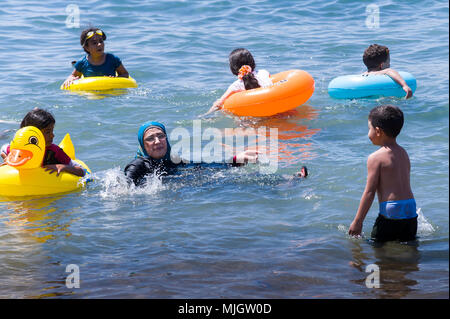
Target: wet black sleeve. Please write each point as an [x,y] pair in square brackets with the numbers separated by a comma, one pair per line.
[231,163]
[137,170]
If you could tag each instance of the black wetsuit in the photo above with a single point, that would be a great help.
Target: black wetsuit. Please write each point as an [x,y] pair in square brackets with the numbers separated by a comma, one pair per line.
[138,169]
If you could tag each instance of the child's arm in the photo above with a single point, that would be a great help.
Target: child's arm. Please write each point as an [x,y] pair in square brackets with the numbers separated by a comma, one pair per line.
[59,168]
[4,151]
[373,176]
[3,157]
[218,104]
[65,163]
[74,76]
[394,75]
[122,72]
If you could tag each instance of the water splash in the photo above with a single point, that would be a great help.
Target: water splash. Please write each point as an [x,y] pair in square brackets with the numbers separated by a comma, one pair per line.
[424,227]
[114,184]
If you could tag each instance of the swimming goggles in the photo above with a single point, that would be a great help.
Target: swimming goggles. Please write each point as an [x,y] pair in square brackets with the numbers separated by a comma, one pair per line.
[90,34]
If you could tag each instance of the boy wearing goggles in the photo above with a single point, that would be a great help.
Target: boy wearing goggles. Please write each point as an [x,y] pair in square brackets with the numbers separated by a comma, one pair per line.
[96,62]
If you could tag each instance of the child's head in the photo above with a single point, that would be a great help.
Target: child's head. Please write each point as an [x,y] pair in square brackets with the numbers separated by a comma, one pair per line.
[238,58]
[90,37]
[387,118]
[43,120]
[376,56]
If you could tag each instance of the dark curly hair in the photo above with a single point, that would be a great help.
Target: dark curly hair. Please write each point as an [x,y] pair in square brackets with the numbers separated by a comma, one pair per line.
[39,118]
[389,118]
[374,55]
[238,58]
[84,34]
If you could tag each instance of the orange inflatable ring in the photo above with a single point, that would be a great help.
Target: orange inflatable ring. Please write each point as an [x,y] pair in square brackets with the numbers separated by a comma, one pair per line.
[289,90]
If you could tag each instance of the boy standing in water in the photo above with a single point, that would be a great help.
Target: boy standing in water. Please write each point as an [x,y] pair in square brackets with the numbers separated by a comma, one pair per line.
[377,60]
[388,176]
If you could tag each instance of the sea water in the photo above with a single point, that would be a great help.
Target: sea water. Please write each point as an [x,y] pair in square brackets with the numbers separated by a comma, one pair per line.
[237,233]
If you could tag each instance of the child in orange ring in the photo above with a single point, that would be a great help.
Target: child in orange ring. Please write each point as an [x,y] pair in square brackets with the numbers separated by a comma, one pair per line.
[377,59]
[243,66]
[388,175]
[55,159]
[97,62]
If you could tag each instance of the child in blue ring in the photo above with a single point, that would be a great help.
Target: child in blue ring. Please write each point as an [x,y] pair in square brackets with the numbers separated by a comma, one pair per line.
[96,62]
[388,175]
[377,60]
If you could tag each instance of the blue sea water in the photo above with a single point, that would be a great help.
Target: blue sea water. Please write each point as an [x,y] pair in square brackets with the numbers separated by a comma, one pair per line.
[238,233]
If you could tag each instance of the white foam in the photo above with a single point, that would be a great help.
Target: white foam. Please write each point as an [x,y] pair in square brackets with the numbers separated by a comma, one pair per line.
[424,227]
[342,228]
[114,184]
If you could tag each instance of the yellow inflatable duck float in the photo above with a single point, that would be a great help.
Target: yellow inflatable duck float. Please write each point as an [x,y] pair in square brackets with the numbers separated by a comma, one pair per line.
[23,174]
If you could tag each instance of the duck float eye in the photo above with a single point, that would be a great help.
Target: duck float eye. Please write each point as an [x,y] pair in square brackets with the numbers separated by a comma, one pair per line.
[33,140]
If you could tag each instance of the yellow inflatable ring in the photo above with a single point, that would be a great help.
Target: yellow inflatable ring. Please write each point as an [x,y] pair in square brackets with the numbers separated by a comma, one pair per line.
[23,174]
[289,90]
[100,83]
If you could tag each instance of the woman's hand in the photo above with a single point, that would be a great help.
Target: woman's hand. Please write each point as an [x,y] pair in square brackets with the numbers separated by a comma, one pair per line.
[247,156]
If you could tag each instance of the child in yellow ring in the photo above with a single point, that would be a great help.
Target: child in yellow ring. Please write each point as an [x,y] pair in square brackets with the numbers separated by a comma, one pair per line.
[55,159]
[96,62]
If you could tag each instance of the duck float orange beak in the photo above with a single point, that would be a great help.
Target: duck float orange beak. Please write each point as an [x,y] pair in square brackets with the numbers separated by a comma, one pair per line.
[18,157]
[27,148]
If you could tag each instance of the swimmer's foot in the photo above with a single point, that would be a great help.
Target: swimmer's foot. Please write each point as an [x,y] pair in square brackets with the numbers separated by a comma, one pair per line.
[303,172]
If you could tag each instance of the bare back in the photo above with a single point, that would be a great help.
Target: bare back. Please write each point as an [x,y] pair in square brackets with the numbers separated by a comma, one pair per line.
[394,173]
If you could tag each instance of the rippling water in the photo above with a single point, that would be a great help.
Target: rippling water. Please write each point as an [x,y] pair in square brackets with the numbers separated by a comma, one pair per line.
[238,233]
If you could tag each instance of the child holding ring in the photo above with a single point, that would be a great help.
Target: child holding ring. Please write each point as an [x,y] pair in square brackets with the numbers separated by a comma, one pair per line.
[55,159]
[242,64]
[377,60]
[96,62]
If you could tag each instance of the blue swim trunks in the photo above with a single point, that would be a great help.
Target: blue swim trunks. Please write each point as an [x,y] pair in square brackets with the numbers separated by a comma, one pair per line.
[399,209]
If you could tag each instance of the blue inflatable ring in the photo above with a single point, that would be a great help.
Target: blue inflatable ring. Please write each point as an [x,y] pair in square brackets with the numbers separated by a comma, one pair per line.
[358,86]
